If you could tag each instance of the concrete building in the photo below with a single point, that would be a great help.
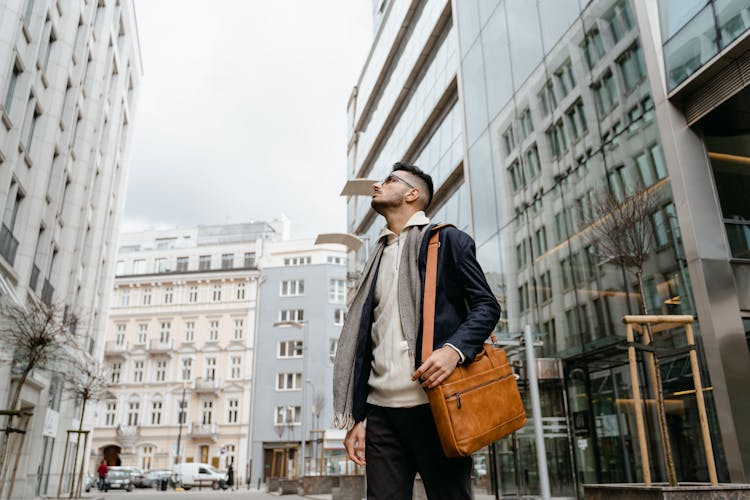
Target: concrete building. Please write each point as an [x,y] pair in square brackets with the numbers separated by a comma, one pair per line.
[302,307]
[180,339]
[69,79]
[523,111]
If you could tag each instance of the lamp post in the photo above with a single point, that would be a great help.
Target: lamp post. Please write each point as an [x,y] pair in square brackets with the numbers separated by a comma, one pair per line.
[302,325]
[182,414]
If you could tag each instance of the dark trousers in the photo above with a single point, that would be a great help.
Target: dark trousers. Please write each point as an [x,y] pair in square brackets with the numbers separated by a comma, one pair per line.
[399,442]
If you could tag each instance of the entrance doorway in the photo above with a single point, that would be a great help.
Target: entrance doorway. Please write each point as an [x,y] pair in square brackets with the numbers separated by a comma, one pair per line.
[111,455]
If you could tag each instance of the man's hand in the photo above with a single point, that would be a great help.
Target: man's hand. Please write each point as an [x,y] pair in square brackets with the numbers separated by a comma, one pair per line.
[355,443]
[437,367]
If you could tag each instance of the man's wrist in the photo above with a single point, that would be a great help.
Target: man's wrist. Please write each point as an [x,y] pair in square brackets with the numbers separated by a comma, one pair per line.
[455,349]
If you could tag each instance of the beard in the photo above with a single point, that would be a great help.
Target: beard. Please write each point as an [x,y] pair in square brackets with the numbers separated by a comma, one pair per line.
[381,205]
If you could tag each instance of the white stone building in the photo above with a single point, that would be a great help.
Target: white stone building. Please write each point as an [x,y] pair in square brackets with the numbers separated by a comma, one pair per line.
[69,79]
[181,331]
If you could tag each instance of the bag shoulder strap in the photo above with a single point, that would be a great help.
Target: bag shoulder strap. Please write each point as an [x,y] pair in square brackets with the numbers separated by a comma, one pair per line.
[430,291]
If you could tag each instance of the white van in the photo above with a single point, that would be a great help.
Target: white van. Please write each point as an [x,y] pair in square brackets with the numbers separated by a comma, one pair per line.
[190,474]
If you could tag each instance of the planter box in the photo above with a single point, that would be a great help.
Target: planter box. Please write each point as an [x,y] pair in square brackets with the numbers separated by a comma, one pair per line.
[272,485]
[289,487]
[317,485]
[665,492]
[350,488]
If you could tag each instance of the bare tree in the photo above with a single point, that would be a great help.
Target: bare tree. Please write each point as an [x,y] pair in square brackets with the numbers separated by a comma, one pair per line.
[36,336]
[622,234]
[86,381]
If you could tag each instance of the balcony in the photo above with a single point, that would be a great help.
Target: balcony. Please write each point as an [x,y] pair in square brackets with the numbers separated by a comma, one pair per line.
[204,431]
[207,386]
[116,350]
[8,245]
[158,347]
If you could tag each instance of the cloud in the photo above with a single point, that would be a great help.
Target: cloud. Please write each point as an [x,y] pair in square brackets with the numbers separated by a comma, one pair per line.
[242,111]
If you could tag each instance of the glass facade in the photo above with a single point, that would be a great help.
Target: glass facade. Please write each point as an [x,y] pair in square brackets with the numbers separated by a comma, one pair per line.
[525,112]
[694,31]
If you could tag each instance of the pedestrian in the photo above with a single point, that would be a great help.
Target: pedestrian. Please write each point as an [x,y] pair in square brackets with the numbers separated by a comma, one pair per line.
[379,379]
[230,476]
[102,471]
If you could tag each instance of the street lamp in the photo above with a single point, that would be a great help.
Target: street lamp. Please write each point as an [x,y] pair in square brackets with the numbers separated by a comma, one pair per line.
[302,326]
[182,416]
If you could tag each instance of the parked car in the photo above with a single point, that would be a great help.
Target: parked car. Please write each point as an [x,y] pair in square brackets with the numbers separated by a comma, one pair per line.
[191,474]
[118,478]
[137,476]
[154,477]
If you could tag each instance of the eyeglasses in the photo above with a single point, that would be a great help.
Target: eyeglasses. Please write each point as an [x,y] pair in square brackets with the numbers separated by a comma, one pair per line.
[396,178]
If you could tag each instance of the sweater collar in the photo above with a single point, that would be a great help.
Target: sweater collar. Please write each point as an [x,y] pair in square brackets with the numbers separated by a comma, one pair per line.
[418,219]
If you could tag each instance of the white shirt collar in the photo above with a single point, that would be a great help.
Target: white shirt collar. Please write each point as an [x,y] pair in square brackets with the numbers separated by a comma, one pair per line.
[418,219]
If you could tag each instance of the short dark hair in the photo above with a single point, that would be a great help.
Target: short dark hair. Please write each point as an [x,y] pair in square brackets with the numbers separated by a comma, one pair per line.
[418,172]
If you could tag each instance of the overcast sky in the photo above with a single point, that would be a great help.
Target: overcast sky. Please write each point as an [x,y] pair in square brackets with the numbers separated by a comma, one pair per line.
[242,111]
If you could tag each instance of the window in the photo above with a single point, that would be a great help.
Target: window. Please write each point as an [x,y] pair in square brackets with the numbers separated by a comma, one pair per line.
[210,369]
[116,370]
[156,407]
[339,315]
[287,415]
[517,178]
[233,410]
[336,260]
[561,230]
[160,265]
[545,286]
[577,120]
[146,299]
[290,349]
[632,67]
[540,237]
[619,183]
[182,411]
[564,77]
[187,368]
[142,333]
[227,261]
[216,293]
[525,123]
[213,330]
[565,273]
[120,268]
[204,263]
[168,295]
[605,93]
[147,455]
[337,291]
[509,140]
[121,334]
[110,413]
[523,297]
[292,315]
[533,166]
[134,407]
[208,412]
[557,141]
[161,371]
[249,259]
[189,331]
[547,98]
[333,345]
[30,123]
[240,291]
[593,47]
[193,294]
[297,261]
[239,327]
[521,255]
[139,266]
[124,298]
[620,20]
[138,371]
[288,381]
[291,288]
[11,90]
[164,332]
[182,263]
[235,370]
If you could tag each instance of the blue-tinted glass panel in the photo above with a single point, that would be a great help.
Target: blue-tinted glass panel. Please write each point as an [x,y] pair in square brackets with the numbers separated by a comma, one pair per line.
[482,189]
[467,15]
[475,95]
[690,48]
[674,14]
[733,17]
[556,18]
[497,62]
[525,38]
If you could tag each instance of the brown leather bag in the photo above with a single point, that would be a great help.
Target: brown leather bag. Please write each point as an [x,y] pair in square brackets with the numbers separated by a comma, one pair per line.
[479,402]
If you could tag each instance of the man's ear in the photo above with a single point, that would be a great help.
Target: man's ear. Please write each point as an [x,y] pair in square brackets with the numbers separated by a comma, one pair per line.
[412,196]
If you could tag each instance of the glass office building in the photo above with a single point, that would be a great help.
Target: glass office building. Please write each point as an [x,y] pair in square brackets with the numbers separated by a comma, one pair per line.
[525,112]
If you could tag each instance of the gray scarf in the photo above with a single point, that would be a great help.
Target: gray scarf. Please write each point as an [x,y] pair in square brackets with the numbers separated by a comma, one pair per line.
[409,305]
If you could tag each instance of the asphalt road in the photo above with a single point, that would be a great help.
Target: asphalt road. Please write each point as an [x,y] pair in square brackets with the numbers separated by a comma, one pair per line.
[194,494]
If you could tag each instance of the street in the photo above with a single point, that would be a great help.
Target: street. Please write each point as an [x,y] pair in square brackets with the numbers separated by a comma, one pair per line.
[151,494]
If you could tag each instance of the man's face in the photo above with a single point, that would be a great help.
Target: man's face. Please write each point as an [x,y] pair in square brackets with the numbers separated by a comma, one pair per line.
[391,192]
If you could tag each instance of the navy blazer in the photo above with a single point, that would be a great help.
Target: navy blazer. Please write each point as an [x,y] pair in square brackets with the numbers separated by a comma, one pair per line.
[466,310]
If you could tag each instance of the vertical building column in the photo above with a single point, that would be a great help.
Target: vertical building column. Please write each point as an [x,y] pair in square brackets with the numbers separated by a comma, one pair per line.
[707,253]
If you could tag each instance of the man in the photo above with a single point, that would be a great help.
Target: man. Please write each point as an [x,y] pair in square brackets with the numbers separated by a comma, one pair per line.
[103,470]
[378,374]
